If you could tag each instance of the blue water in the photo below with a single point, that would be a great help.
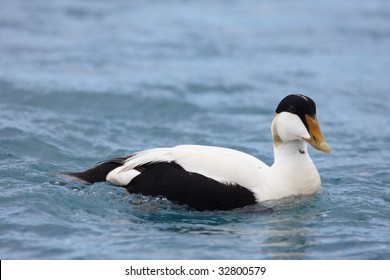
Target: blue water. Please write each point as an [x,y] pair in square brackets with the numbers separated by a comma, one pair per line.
[83,81]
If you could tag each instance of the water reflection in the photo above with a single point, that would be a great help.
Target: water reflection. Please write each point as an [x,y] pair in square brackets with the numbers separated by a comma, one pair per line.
[280,232]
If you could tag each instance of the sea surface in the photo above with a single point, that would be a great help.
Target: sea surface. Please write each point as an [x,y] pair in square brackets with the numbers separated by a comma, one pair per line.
[84,81]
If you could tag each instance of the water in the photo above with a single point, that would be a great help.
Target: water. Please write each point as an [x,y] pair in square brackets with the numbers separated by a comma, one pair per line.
[83,81]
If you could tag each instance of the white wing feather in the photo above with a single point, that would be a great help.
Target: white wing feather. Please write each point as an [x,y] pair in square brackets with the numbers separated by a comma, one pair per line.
[221,164]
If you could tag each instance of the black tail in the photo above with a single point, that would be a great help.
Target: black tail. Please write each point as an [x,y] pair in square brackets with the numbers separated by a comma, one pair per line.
[99,172]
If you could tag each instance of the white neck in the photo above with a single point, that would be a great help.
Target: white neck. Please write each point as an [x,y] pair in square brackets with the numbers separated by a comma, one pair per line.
[292,173]
[288,153]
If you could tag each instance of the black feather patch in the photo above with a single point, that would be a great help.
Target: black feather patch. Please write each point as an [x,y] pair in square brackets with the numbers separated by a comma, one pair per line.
[99,172]
[178,185]
[298,104]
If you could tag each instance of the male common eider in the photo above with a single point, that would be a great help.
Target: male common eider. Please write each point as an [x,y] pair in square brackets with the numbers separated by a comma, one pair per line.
[211,178]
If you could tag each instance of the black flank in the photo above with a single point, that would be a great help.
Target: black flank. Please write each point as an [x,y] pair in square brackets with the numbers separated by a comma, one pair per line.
[178,185]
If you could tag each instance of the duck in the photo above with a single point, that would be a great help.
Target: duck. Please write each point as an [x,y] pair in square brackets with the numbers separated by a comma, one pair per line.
[219,178]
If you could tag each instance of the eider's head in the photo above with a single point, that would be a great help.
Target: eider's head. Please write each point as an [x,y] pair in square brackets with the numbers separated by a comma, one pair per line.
[296,119]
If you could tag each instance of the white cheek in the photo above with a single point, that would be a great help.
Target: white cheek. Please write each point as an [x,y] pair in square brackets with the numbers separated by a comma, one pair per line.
[290,127]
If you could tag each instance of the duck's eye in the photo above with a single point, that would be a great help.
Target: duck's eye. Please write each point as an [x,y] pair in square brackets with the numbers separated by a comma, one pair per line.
[292,109]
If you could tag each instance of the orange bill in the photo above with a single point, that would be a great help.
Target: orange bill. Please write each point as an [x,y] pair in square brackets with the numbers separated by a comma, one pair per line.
[317,139]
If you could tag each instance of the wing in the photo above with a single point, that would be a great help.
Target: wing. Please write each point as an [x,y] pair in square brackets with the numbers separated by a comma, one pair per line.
[223,165]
